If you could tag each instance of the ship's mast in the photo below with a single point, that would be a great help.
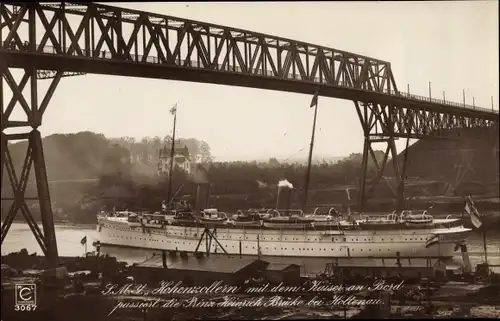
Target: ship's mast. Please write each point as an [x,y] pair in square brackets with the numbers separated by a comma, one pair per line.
[173,111]
[314,103]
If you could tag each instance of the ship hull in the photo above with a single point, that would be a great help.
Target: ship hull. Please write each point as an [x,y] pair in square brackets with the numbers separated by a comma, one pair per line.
[286,243]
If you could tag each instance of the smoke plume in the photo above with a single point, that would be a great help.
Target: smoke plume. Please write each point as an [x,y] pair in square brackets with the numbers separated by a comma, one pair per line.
[199,175]
[285,183]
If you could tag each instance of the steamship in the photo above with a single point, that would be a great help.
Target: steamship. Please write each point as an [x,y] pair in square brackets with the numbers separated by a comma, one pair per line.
[286,233]
[283,232]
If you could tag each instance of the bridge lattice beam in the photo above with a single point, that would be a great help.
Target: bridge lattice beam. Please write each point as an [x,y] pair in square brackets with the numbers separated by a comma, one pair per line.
[385,123]
[102,32]
[409,121]
[99,32]
[33,108]
[95,32]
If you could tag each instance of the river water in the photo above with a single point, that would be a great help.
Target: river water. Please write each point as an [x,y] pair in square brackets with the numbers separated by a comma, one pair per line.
[69,237]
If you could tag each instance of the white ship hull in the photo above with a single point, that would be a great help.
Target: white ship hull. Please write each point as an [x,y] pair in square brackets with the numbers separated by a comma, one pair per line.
[287,243]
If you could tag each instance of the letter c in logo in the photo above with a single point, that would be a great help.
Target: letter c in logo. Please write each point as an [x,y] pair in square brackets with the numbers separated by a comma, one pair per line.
[25,296]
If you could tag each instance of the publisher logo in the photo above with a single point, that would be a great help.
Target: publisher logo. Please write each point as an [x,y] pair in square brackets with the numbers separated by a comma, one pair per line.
[25,299]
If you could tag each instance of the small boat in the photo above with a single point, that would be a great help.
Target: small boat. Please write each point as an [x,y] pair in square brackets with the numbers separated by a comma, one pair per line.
[330,209]
[323,219]
[184,217]
[250,218]
[152,220]
[288,221]
[418,220]
[125,213]
[391,222]
[213,216]
[134,220]
[170,210]
[347,225]
[262,213]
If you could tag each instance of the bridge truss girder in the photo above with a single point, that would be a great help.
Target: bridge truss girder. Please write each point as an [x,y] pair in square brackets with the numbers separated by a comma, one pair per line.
[465,159]
[34,157]
[105,32]
[385,123]
[410,121]
[463,169]
[91,37]
[33,108]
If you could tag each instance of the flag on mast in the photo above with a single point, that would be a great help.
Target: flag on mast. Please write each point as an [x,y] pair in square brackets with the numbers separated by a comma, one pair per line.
[314,100]
[84,240]
[173,110]
[472,211]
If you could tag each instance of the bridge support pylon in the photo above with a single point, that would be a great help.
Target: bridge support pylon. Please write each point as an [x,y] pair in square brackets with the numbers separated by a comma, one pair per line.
[34,157]
[377,128]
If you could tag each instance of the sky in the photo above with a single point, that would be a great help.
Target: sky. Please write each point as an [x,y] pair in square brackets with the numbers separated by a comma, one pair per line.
[454,45]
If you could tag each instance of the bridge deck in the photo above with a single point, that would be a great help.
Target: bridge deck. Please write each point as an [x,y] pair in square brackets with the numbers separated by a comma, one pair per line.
[183,70]
[127,42]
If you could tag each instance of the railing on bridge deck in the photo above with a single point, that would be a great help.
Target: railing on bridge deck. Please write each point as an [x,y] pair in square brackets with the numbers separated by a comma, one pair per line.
[290,76]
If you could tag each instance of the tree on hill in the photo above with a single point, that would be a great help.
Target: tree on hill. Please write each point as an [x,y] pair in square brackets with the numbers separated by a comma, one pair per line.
[69,156]
[199,150]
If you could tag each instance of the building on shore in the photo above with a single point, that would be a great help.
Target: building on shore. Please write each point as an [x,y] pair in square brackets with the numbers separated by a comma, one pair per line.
[181,158]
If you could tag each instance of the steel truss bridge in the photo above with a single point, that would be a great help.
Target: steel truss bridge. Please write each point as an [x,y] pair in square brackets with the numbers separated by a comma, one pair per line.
[52,41]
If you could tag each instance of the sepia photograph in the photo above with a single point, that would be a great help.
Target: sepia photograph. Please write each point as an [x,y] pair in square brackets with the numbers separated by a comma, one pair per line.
[286,160]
